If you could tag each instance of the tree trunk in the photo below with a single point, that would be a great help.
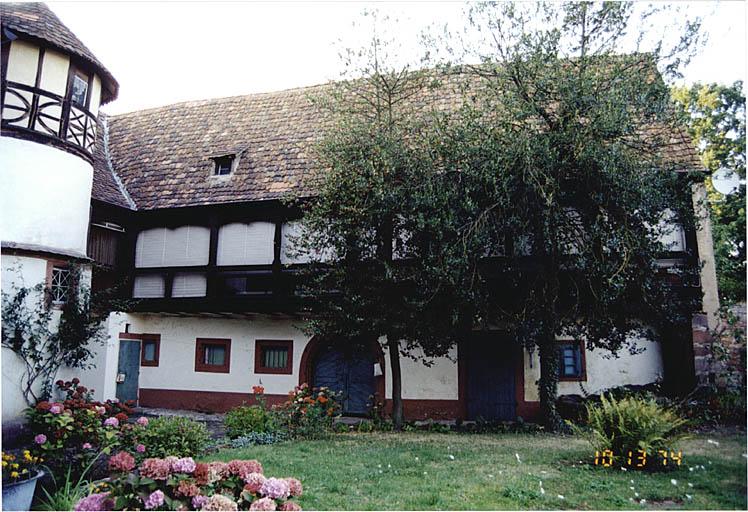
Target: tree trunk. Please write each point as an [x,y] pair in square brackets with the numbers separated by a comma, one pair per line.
[548,384]
[393,346]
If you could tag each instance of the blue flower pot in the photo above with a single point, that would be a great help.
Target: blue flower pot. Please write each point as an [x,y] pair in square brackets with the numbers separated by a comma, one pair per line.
[18,495]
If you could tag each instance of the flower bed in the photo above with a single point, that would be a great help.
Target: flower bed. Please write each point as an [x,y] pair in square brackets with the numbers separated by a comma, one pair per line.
[176,483]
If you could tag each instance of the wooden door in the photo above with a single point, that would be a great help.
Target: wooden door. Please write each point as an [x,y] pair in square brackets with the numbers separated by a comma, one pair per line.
[491,361]
[352,375]
[128,370]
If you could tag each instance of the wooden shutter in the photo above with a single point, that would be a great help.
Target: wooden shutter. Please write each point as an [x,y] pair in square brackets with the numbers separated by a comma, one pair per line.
[246,244]
[188,285]
[148,286]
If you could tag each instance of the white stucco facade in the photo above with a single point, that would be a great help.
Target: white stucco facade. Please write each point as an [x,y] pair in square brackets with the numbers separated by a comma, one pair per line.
[45,196]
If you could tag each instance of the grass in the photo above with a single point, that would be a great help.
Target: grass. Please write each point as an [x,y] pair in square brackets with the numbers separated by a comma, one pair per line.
[414,470]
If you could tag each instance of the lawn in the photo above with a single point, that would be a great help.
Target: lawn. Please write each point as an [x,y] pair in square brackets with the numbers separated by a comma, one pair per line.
[418,470]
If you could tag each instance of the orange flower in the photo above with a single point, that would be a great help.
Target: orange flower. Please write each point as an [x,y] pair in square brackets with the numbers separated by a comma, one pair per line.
[322,399]
[258,390]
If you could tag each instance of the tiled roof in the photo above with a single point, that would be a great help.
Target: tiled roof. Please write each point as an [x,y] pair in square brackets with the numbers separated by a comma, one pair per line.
[39,22]
[163,155]
[107,186]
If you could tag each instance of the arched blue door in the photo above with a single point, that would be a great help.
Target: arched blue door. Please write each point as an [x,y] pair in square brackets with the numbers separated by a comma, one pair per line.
[352,375]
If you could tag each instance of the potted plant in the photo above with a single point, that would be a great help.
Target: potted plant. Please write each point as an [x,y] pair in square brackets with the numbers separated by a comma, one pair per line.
[20,474]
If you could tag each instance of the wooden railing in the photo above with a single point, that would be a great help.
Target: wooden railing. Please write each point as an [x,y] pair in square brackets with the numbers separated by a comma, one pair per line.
[38,112]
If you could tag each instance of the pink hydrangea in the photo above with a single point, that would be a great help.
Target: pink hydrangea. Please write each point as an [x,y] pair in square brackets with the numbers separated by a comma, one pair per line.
[56,409]
[295,487]
[242,468]
[100,501]
[263,504]
[158,469]
[142,421]
[111,422]
[289,505]
[100,409]
[275,488]
[184,465]
[140,448]
[86,446]
[155,500]
[198,501]
[219,470]
[40,439]
[254,482]
[123,461]
[220,502]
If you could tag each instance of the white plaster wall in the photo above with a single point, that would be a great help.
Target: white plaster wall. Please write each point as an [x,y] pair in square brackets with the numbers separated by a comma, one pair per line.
[436,382]
[603,371]
[55,72]
[23,60]
[176,368]
[19,271]
[705,244]
[45,195]
[95,95]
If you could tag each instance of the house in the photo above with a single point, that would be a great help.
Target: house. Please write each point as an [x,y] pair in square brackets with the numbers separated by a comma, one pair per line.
[186,201]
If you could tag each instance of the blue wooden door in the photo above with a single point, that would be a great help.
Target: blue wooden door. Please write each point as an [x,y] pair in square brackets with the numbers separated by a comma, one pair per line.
[129,367]
[352,375]
[490,378]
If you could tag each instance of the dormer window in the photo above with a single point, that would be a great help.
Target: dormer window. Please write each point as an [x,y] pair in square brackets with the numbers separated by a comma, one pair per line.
[224,165]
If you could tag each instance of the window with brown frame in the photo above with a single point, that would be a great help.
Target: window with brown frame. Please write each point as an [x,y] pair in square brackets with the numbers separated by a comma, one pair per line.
[572,365]
[212,355]
[274,356]
[150,349]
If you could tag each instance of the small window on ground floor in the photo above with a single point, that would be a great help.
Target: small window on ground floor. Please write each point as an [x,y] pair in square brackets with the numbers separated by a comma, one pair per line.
[274,356]
[212,355]
[571,361]
[149,350]
[60,285]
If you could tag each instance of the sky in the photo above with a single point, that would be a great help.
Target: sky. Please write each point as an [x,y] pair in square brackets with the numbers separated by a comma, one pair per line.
[167,52]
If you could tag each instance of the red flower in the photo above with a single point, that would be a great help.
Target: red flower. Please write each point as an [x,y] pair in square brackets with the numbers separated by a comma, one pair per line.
[258,390]
[121,417]
[43,406]
[75,381]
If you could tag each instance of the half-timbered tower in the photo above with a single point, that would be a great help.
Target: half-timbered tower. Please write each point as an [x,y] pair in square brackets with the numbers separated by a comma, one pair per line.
[52,88]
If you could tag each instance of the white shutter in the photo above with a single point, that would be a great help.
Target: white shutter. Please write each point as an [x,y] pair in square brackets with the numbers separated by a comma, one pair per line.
[187,245]
[150,248]
[291,233]
[188,285]
[246,244]
[148,286]
[671,233]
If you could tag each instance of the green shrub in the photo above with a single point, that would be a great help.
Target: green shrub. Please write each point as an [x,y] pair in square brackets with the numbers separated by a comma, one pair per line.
[247,419]
[171,435]
[631,424]
[255,438]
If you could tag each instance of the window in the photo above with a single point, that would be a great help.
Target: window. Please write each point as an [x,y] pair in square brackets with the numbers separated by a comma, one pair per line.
[149,286]
[79,89]
[180,247]
[212,355]
[189,285]
[274,356]
[149,349]
[571,361]
[60,284]
[246,244]
[224,165]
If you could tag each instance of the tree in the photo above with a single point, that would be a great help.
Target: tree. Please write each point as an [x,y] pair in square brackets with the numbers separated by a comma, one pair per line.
[716,120]
[563,146]
[374,159]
